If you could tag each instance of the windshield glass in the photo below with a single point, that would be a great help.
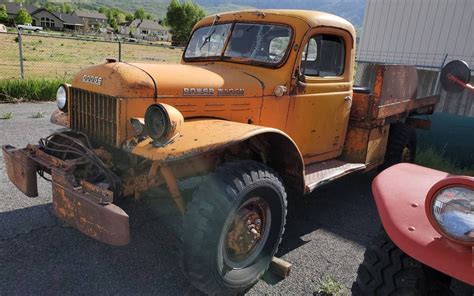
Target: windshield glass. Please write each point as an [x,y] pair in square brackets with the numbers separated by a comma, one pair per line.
[262,43]
[208,41]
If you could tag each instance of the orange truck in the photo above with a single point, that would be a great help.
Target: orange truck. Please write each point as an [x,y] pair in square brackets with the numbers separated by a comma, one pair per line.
[263,103]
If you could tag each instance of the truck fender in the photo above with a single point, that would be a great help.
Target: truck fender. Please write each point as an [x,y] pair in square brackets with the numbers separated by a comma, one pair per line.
[206,135]
[400,193]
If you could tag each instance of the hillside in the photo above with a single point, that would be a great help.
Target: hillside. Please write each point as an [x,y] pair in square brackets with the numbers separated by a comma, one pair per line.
[353,10]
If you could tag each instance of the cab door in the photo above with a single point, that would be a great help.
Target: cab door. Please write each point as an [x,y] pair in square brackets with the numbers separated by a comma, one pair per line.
[322,97]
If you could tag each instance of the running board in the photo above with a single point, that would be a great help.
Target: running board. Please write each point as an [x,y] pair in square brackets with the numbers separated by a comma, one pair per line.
[323,172]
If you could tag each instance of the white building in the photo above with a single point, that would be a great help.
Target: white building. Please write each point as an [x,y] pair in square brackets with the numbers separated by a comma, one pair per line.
[420,32]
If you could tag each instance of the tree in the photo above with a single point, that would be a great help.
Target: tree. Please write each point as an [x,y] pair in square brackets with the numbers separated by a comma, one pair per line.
[182,18]
[66,8]
[23,17]
[129,17]
[3,14]
[103,10]
[139,14]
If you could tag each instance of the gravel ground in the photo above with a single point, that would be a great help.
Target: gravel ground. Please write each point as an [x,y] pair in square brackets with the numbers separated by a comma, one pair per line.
[326,236]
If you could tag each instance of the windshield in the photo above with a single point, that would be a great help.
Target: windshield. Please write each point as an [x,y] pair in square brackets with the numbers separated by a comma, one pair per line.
[262,43]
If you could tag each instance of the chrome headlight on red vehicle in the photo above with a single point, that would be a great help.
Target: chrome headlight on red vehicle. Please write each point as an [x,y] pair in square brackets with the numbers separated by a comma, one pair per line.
[450,208]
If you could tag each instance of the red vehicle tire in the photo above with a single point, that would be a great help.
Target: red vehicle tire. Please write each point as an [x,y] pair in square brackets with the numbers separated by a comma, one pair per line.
[386,270]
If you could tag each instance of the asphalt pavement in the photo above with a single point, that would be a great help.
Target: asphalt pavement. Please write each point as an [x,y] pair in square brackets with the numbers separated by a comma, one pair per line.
[326,236]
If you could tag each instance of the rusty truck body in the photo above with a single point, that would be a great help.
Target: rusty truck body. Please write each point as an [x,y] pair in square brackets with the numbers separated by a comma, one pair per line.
[263,103]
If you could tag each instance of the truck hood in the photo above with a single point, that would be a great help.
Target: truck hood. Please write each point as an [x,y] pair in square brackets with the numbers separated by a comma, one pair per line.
[127,80]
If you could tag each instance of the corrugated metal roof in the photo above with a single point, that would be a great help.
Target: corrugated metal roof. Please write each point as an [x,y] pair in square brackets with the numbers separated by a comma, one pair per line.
[417,32]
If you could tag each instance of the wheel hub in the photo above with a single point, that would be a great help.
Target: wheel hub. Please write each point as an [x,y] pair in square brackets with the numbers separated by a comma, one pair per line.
[246,230]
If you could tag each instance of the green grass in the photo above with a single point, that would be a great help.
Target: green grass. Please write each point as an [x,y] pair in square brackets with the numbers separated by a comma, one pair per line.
[16,90]
[38,115]
[47,57]
[330,287]
[6,116]
[437,159]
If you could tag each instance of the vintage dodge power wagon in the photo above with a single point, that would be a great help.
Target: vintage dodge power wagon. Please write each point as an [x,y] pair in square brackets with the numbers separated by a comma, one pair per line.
[262,104]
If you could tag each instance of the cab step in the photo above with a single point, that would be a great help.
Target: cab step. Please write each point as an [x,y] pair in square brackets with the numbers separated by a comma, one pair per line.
[320,173]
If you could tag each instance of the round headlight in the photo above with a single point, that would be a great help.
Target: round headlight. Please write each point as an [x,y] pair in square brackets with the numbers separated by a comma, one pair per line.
[162,123]
[452,212]
[61,98]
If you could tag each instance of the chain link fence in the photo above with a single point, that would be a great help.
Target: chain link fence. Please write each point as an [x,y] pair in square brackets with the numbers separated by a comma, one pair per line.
[43,56]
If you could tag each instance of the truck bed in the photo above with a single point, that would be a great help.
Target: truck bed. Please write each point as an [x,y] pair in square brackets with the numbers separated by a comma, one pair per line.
[392,93]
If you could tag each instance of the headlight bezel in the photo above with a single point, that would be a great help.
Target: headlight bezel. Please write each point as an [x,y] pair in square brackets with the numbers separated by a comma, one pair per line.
[447,183]
[172,119]
[66,97]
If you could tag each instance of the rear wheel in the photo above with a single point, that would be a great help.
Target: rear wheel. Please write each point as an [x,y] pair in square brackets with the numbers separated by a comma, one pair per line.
[401,146]
[386,270]
[233,227]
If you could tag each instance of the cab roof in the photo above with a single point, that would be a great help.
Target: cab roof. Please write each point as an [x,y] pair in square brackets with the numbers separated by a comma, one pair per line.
[311,17]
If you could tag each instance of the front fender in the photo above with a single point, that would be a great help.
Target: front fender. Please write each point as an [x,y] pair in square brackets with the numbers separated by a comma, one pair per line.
[198,136]
[400,192]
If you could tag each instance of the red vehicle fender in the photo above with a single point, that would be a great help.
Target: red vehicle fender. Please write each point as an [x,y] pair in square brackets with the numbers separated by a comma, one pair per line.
[400,192]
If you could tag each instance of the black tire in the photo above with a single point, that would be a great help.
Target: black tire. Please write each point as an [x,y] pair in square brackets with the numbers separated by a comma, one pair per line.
[386,270]
[401,140]
[205,257]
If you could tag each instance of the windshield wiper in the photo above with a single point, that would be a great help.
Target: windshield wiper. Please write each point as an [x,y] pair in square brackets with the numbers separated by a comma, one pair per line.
[207,39]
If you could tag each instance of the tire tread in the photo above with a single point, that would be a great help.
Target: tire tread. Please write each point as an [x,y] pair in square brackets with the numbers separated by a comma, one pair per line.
[232,178]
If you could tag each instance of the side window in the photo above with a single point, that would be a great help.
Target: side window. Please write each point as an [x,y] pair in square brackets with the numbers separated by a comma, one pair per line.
[323,56]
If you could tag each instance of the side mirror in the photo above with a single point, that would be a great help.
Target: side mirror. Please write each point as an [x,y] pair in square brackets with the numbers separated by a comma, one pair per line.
[455,76]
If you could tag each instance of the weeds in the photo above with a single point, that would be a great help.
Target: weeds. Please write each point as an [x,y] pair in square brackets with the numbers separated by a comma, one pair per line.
[437,159]
[6,116]
[38,115]
[329,287]
[13,90]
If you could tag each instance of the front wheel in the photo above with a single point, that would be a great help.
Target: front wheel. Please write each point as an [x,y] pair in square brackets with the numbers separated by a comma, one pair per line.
[233,227]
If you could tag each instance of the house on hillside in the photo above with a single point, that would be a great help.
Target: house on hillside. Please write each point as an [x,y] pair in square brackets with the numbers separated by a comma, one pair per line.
[13,8]
[145,29]
[72,22]
[92,20]
[45,18]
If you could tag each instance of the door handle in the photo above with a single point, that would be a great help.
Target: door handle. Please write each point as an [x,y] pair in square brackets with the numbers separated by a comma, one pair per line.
[348,98]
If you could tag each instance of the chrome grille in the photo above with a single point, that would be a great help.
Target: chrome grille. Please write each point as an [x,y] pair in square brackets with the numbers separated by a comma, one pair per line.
[95,115]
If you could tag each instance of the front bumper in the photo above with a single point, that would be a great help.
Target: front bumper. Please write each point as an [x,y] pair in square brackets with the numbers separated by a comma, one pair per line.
[86,207]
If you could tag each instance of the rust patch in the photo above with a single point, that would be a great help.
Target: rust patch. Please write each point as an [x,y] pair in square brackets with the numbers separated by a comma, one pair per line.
[21,170]
[105,222]
[60,118]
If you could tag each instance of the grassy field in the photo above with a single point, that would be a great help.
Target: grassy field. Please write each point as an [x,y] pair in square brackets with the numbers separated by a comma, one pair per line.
[438,159]
[45,57]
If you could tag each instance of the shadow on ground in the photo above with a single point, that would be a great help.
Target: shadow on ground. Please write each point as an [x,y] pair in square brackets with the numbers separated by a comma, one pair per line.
[57,259]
